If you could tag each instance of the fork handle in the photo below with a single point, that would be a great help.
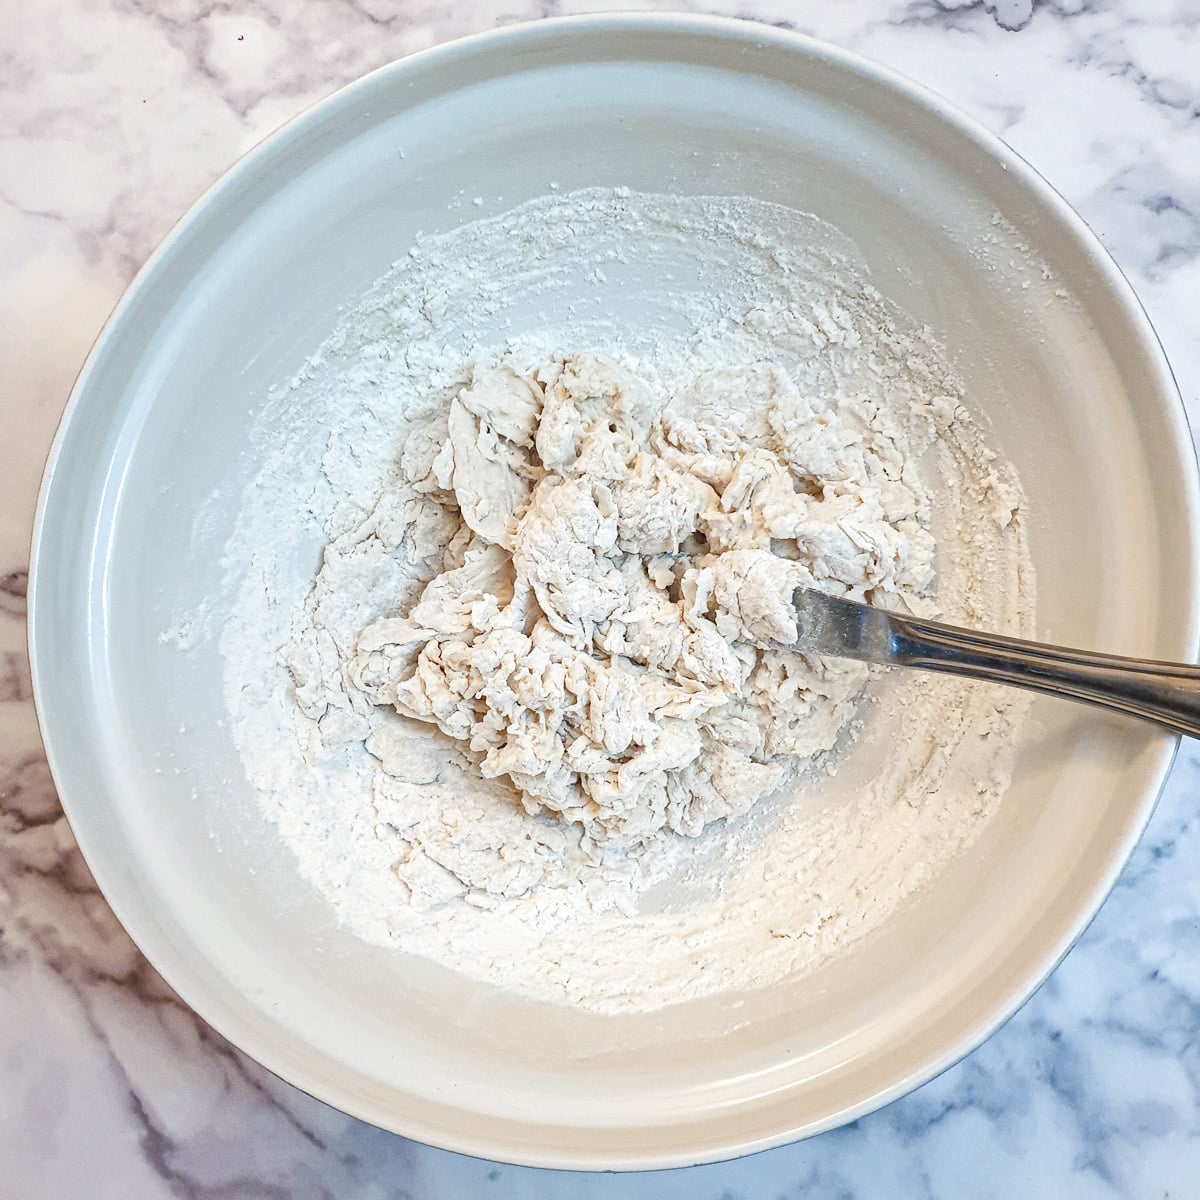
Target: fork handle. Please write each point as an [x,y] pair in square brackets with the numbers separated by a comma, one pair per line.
[1167,694]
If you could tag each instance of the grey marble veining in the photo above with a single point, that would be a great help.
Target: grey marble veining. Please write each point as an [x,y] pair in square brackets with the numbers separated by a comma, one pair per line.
[113,117]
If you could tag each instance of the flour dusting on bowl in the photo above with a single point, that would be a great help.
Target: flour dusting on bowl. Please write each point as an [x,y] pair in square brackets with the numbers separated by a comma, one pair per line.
[532,713]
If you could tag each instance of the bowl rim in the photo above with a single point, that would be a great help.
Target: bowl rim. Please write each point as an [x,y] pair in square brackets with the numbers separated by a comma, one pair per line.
[549,30]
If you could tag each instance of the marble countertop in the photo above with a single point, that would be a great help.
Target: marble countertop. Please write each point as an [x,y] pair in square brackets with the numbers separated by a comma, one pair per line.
[115,116]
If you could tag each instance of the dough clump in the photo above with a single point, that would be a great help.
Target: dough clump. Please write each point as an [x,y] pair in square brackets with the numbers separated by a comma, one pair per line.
[604,570]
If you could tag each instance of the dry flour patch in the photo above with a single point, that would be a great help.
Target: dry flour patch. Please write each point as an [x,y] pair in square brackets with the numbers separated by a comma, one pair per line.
[518,687]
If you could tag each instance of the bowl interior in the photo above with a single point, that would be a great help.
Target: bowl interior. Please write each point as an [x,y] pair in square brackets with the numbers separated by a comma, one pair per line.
[1056,358]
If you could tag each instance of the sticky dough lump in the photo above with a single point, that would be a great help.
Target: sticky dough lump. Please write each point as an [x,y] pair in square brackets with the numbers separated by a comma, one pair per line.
[607,571]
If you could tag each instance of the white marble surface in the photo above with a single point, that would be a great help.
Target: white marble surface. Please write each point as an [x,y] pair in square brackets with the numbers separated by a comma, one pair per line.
[113,116]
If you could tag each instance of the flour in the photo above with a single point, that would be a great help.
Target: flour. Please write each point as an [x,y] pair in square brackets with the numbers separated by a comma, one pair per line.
[536,716]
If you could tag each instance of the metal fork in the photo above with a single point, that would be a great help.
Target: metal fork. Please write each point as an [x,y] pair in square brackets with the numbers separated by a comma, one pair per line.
[1164,693]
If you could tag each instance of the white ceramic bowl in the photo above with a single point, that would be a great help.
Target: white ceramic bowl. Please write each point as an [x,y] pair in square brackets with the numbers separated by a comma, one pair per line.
[1077,394]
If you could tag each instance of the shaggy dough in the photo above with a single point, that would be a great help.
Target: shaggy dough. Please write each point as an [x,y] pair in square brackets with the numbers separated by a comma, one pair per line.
[603,574]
